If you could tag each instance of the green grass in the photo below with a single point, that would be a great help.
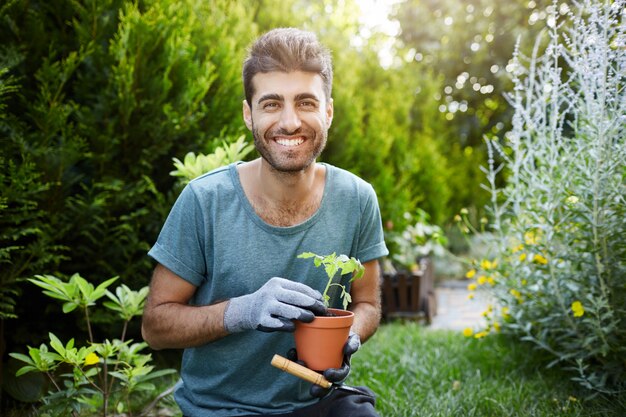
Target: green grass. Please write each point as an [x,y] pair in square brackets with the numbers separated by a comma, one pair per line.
[420,372]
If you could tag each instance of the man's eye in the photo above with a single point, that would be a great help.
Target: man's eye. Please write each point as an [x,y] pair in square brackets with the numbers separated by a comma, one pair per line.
[307,104]
[270,105]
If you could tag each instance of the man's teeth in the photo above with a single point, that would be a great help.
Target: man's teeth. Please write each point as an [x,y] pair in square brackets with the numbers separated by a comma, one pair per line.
[289,142]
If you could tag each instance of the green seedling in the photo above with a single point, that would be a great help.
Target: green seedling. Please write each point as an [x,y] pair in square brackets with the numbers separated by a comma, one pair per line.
[332,264]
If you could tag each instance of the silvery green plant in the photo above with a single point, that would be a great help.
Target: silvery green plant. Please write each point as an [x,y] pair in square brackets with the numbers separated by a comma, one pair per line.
[558,263]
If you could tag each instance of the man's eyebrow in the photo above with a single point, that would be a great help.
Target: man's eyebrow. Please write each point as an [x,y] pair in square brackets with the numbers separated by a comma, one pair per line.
[270,97]
[307,96]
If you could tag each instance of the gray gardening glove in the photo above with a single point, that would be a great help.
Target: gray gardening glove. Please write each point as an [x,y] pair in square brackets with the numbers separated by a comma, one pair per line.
[273,307]
[338,375]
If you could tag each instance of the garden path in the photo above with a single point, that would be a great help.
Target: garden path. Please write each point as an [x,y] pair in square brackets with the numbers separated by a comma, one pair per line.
[454,310]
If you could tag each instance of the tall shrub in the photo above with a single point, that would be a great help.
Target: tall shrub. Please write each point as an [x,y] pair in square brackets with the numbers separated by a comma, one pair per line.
[559,226]
[98,98]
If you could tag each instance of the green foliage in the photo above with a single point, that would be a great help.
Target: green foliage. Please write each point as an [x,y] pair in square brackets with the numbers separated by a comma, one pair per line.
[418,240]
[333,264]
[558,255]
[77,293]
[467,46]
[126,302]
[195,165]
[105,375]
[25,238]
[95,99]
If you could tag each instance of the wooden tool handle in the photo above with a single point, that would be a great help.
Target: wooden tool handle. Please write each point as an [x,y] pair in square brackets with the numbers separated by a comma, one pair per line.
[300,371]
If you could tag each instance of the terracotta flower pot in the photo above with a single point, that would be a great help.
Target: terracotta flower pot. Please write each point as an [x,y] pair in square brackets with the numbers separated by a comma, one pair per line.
[320,343]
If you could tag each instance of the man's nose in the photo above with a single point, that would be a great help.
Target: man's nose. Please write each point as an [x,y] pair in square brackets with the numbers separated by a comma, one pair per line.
[289,119]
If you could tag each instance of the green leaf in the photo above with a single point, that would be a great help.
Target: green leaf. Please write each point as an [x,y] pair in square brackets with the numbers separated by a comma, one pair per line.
[85,288]
[347,299]
[69,307]
[26,369]
[56,344]
[145,386]
[22,357]
[53,287]
[101,289]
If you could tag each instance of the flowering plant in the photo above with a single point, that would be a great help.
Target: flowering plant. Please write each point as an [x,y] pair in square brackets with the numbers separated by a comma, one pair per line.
[559,258]
[104,375]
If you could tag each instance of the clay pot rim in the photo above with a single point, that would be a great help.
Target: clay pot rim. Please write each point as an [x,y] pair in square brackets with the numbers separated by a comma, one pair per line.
[343,318]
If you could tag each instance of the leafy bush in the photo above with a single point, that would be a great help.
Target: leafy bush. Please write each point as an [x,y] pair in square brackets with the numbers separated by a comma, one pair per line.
[95,99]
[103,376]
[558,244]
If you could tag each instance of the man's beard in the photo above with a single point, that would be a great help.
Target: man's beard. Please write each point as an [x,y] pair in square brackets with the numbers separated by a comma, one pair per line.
[289,163]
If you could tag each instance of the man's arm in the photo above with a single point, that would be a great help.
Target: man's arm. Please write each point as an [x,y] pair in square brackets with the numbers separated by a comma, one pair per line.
[366,303]
[168,320]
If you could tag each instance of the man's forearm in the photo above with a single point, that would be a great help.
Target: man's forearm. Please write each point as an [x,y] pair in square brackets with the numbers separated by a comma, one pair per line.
[175,326]
[366,320]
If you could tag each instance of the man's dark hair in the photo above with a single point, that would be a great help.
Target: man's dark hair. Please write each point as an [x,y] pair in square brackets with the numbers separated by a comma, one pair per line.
[287,50]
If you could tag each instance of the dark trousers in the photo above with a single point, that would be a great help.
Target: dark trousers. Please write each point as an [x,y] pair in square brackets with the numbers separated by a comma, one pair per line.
[338,403]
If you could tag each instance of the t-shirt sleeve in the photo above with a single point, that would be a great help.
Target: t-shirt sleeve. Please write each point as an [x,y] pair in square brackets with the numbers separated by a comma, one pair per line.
[371,239]
[180,245]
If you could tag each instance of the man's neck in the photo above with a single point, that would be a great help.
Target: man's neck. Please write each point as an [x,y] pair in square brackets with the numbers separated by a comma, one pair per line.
[282,198]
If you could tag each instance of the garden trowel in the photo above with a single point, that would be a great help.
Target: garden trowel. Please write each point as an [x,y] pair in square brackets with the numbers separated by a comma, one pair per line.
[311,376]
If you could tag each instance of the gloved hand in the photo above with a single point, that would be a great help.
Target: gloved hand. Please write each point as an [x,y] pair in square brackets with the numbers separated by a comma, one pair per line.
[337,375]
[273,307]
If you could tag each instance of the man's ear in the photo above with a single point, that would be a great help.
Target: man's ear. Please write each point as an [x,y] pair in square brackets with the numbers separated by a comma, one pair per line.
[329,112]
[247,115]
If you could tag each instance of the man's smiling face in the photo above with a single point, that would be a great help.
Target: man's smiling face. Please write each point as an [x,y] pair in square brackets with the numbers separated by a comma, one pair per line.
[289,118]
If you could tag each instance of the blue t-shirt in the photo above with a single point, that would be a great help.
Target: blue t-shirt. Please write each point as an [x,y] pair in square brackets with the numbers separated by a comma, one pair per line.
[214,239]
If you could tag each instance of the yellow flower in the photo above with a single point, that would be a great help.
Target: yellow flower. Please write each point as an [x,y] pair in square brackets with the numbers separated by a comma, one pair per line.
[515,293]
[468,332]
[524,281]
[487,264]
[470,273]
[531,237]
[540,259]
[578,309]
[518,248]
[470,296]
[457,218]
[481,280]
[522,257]
[472,287]
[491,281]
[480,335]
[496,326]
[91,359]
[505,312]
[464,211]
